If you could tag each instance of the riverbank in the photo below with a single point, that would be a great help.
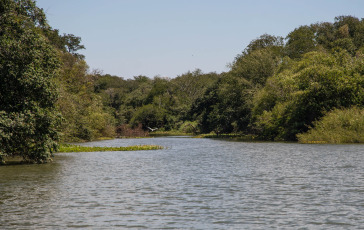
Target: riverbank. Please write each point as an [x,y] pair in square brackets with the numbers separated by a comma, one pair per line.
[169,133]
[17,160]
[255,138]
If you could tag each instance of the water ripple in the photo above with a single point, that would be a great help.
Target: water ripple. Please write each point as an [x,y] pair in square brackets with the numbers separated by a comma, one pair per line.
[194,184]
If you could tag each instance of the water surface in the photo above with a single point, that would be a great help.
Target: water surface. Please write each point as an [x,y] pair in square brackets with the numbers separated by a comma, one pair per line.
[192,184]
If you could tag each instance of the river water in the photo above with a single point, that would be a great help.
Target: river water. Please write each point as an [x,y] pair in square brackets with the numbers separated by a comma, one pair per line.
[192,184]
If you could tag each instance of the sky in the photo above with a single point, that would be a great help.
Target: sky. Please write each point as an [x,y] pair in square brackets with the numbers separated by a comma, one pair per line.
[168,38]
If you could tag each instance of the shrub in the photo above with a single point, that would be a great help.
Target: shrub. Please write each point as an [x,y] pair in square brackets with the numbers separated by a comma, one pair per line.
[337,126]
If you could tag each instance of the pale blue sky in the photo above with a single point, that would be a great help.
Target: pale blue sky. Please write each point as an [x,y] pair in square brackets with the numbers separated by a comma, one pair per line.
[170,37]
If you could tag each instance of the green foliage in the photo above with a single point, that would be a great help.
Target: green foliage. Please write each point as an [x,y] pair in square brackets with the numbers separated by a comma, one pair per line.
[65,43]
[72,43]
[139,92]
[298,95]
[26,11]
[160,86]
[231,136]
[272,89]
[149,116]
[66,148]
[337,126]
[171,98]
[125,131]
[83,111]
[347,32]
[345,44]
[28,66]
[259,60]
[187,88]
[225,107]
[349,23]
[300,41]
[324,34]
[265,41]
[256,66]
[189,127]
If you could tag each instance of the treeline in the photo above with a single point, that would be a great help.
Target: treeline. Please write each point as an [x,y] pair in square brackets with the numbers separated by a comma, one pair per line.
[276,89]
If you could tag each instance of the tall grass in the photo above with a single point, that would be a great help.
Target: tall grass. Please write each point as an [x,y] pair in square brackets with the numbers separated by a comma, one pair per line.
[337,126]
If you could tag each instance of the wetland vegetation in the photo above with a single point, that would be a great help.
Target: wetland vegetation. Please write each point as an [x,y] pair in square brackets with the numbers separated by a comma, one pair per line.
[66,148]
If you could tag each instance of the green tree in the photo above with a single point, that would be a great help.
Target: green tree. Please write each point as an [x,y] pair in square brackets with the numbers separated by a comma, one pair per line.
[259,60]
[256,66]
[28,66]
[187,88]
[225,107]
[324,34]
[347,23]
[73,44]
[85,117]
[300,41]
[265,41]
[300,94]
[149,116]
[139,92]
[66,42]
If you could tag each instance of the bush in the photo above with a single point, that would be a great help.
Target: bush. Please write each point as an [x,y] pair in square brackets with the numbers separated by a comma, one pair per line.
[149,116]
[126,131]
[337,126]
[189,127]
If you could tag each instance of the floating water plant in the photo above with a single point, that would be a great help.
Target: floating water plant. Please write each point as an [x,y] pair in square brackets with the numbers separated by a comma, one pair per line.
[66,148]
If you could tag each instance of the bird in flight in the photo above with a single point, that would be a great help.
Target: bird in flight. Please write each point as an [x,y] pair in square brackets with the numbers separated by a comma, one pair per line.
[152,130]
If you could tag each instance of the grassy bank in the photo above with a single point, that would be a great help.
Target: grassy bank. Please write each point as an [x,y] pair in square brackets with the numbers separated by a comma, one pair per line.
[77,148]
[169,133]
[232,136]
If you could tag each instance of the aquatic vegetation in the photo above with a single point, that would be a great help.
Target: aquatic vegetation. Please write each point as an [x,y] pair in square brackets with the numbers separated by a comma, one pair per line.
[66,148]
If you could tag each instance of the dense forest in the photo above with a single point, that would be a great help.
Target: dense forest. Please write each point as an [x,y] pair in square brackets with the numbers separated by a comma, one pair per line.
[307,86]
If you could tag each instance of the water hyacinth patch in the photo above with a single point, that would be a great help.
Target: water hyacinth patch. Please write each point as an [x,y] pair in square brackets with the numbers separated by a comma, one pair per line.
[66,148]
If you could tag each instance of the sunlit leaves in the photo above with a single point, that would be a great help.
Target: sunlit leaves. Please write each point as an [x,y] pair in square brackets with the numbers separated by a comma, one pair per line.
[297,96]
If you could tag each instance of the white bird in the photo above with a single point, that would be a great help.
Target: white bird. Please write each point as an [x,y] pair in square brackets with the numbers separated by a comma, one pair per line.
[152,129]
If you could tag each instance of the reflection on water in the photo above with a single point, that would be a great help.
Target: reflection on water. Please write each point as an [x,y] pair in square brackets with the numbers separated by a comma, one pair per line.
[193,184]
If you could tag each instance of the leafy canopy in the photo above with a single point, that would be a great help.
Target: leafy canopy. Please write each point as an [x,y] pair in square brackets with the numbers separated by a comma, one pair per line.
[28,66]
